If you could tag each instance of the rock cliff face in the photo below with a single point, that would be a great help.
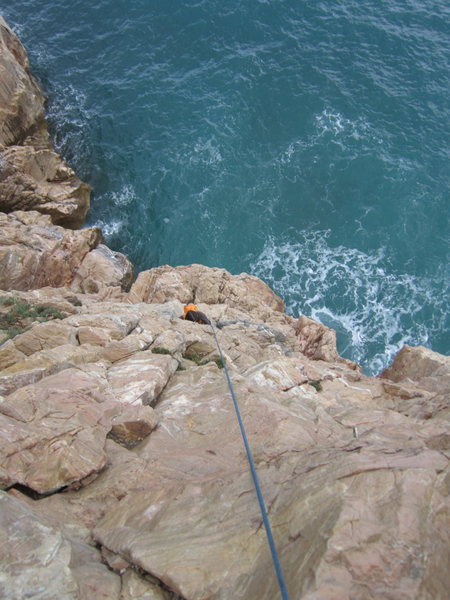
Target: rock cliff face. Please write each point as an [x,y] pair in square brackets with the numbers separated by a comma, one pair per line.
[122,471]
[32,175]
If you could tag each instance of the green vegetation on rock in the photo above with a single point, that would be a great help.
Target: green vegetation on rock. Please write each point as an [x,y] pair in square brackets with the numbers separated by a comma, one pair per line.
[159,350]
[201,360]
[17,315]
[316,385]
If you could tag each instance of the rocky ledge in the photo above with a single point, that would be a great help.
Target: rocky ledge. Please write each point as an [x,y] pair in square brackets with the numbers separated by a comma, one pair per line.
[122,471]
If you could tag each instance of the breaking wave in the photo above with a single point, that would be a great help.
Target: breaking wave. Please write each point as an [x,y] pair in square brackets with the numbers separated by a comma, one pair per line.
[374,310]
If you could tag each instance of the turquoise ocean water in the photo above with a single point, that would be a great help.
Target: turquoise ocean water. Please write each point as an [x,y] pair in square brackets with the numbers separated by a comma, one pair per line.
[306,142]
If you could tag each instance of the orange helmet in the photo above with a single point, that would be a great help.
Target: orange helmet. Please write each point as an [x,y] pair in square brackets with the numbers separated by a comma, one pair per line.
[189,307]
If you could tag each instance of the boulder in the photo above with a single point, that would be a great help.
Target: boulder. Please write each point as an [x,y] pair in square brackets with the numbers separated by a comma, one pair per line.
[103,267]
[199,284]
[429,370]
[42,336]
[38,179]
[53,432]
[34,253]
[140,379]
[318,342]
[132,425]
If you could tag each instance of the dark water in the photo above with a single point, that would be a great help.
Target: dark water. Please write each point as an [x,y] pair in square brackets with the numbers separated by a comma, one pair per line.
[306,142]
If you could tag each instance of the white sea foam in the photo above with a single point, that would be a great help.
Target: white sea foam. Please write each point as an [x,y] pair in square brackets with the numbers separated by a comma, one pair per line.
[124,196]
[206,151]
[372,308]
[332,126]
[330,122]
[109,228]
[69,115]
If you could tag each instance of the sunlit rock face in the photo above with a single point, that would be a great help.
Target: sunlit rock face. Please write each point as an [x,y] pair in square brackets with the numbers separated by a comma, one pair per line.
[125,407]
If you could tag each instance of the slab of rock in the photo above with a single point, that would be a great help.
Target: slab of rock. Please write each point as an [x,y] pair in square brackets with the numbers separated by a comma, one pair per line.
[117,350]
[199,284]
[420,365]
[95,336]
[79,508]
[49,334]
[103,268]
[139,380]
[198,528]
[38,561]
[43,363]
[117,323]
[135,587]
[34,253]
[9,355]
[53,432]
[284,374]
[39,566]
[38,179]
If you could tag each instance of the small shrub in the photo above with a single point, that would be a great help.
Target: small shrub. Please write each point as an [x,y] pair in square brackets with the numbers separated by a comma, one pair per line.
[159,350]
[7,301]
[21,315]
[219,362]
[13,331]
[47,312]
[316,385]
[200,361]
[194,357]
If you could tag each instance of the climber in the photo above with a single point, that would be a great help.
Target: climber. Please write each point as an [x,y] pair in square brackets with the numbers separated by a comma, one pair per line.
[191,313]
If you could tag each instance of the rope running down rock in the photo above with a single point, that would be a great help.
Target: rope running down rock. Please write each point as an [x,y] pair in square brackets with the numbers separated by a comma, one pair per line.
[262,506]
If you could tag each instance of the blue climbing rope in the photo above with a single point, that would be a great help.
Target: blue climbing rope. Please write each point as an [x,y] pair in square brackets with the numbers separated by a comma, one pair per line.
[262,506]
